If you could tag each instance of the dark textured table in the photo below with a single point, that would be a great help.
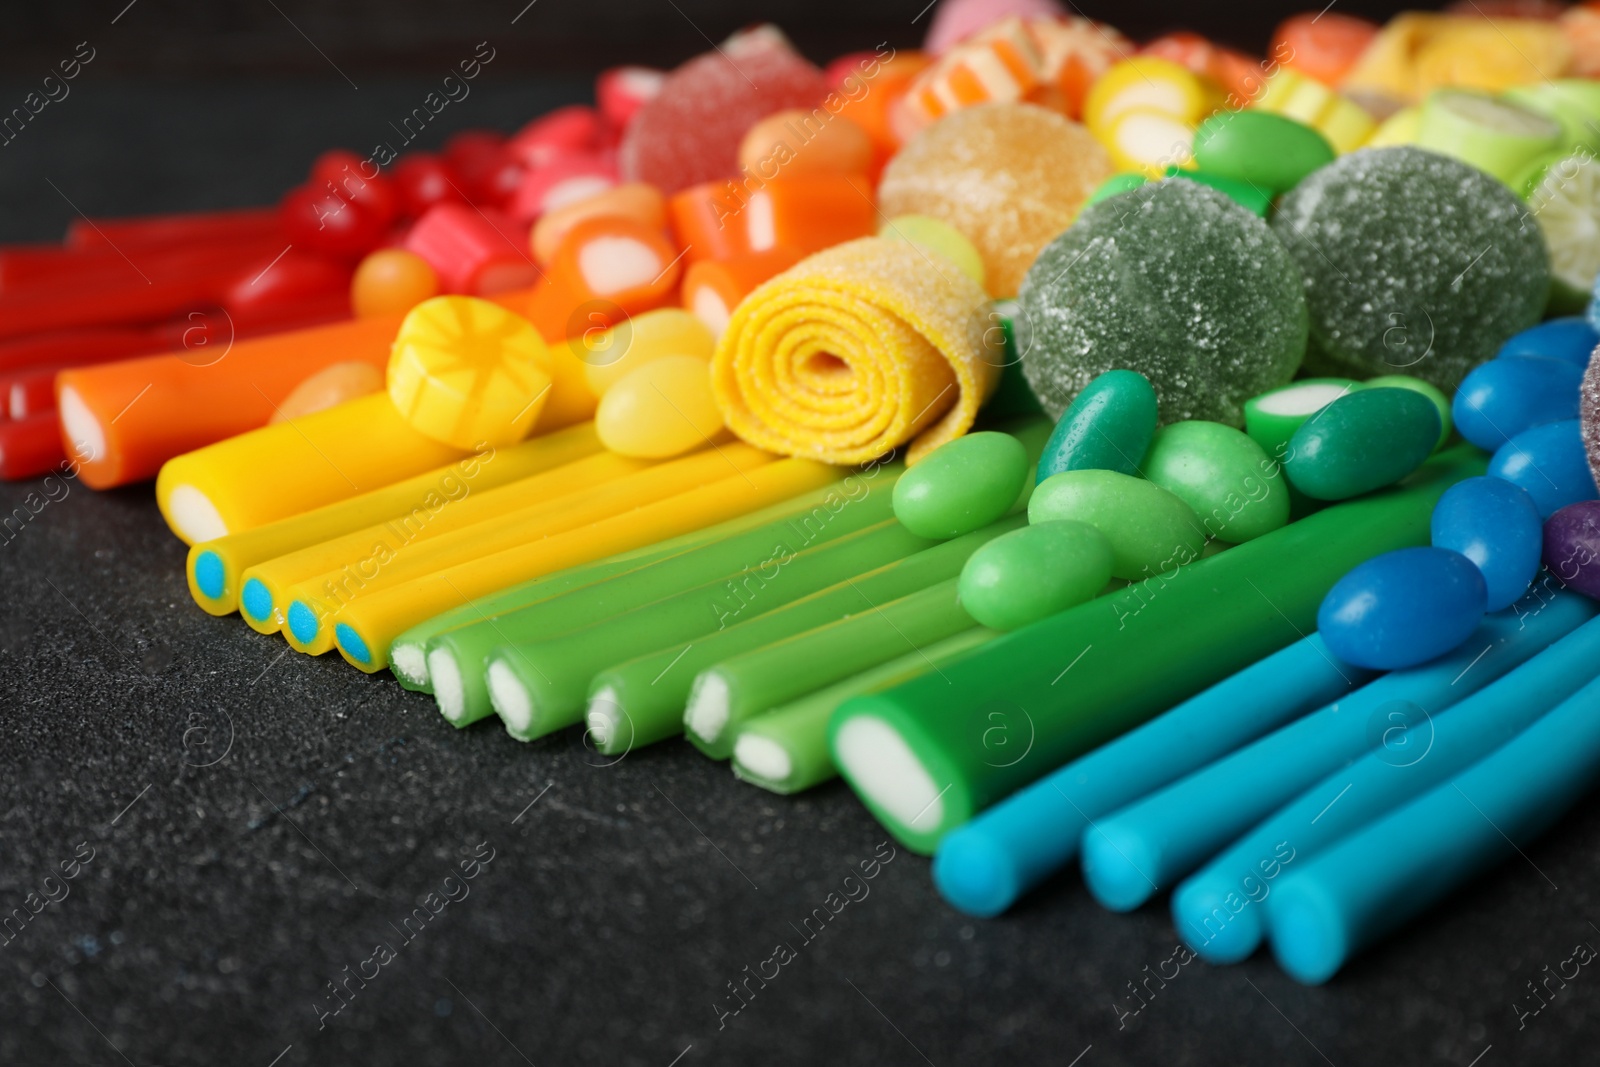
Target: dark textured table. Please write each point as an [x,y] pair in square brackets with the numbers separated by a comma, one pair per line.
[249,829]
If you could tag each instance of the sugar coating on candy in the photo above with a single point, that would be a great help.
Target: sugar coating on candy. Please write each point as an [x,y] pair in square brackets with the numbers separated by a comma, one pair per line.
[1173,280]
[1412,261]
[691,131]
[1589,416]
[1011,177]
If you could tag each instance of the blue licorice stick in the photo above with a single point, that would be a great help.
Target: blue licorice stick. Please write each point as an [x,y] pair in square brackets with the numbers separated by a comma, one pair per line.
[1392,869]
[985,866]
[1134,853]
[1211,909]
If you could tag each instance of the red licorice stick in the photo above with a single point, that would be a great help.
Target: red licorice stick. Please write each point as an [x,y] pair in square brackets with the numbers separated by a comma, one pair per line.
[29,393]
[203,227]
[30,447]
[59,266]
[92,345]
[27,313]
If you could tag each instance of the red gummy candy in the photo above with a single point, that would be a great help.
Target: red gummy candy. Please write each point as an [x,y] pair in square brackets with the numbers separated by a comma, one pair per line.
[690,132]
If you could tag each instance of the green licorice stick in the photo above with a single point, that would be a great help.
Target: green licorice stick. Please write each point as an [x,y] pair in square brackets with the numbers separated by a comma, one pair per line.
[786,750]
[915,753]
[541,685]
[641,701]
[753,683]
[408,652]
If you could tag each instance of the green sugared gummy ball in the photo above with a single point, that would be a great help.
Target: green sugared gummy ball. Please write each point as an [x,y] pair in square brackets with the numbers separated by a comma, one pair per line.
[1173,280]
[1027,574]
[962,486]
[1413,262]
[1151,531]
[1229,480]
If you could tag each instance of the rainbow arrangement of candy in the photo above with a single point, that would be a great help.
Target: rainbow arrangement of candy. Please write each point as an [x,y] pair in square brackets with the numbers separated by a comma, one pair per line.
[1181,411]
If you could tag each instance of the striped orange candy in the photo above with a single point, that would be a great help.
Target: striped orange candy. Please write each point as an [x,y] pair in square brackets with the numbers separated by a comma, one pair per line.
[466,371]
[1000,65]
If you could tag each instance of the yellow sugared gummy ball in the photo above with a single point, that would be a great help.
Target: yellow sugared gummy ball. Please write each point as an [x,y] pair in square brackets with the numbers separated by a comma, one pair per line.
[936,238]
[1009,177]
[661,409]
[611,355]
[465,371]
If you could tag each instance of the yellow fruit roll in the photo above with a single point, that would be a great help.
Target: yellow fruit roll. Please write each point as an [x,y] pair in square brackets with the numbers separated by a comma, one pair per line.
[367,625]
[856,351]
[216,568]
[1345,124]
[316,586]
[464,370]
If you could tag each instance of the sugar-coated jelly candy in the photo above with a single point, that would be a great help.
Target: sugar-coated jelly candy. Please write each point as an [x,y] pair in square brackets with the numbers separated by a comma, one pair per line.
[1571,546]
[1363,441]
[1022,576]
[1412,262]
[1496,525]
[465,371]
[962,486]
[1570,338]
[1272,418]
[1549,462]
[1402,608]
[1173,280]
[391,281]
[1499,399]
[1230,482]
[1269,151]
[1252,198]
[1150,530]
[690,131]
[609,355]
[662,409]
[1116,185]
[1108,426]
[1008,176]
[1435,395]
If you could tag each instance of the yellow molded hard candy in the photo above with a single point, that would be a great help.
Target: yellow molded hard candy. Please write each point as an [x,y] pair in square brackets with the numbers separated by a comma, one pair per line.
[464,371]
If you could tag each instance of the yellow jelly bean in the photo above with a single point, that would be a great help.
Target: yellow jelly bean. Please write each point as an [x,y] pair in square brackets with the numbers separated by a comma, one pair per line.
[1145,82]
[465,371]
[938,238]
[611,355]
[663,408]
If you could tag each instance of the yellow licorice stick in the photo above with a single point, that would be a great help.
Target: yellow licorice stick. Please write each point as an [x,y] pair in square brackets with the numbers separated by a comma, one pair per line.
[354,558]
[367,625]
[215,568]
[313,603]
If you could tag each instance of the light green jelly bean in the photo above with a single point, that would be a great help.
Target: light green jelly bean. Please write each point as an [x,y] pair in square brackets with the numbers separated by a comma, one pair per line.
[1229,480]
[1150,530]
[1427,389]
[1027,574]
[1266,150]
[962,486]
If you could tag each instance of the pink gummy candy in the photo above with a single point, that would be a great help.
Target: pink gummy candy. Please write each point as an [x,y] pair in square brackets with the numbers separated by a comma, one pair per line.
[690,132]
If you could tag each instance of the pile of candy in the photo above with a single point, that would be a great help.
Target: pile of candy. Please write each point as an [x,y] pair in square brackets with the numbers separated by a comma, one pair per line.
[943,420]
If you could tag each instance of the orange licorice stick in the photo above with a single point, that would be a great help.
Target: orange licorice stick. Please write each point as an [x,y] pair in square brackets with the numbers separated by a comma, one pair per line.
[635,200]
[713,288]
[132,416]
[605,269]
[1324,46]
[871,91]
[203,227]
[809,212]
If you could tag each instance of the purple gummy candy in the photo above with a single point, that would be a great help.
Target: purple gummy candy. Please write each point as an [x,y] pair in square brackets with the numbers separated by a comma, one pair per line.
[1572,546]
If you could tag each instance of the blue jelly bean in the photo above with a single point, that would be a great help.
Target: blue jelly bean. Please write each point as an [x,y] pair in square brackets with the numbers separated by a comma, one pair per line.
[1549,462]
[1571,339]
[1496,525]
[1403,608]
[1501,398]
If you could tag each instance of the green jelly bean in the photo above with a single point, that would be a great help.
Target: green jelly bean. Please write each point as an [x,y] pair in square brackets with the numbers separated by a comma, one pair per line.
[1116,185]
[1258,147]
[1250,197]
[962,486]
[1272,418]
[1405,381]
[1225,476]
[1036,571]
[1151,531]
[1361,442]
[1107,426]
